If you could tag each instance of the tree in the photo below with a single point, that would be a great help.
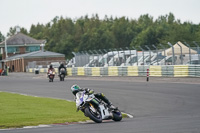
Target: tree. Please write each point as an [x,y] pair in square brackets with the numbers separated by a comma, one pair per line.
[37,31]
[65,35]
[2,38]
[123,32]
[13,30]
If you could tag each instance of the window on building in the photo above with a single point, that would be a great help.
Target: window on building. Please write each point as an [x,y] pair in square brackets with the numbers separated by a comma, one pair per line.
[32,48]
[12,49]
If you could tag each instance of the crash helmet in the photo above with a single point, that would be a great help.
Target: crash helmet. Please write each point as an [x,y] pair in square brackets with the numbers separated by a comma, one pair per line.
[62,64]
[75,88]
[51,66]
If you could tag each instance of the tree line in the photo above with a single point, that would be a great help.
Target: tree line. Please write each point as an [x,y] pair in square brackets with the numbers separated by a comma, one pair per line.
[65,35]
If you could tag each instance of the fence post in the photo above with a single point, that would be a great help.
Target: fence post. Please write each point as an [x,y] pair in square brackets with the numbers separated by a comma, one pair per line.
[112,54]
[118,55]
[86,58]
[123,61]
[198,50]
[173,59]
[164,52]
[136,54]
[130,56]
[97,59]
[149,53]
[181,53]
[142,53]
[100,57]
[92,55]
[74,58]
[156,53]
[189,51]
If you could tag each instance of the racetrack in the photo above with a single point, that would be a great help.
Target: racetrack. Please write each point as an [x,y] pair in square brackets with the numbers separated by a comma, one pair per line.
[162,105]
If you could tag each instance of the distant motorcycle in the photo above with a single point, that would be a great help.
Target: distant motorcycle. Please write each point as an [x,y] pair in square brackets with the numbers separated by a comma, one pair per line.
[96,109]
[62,74]
[51,75]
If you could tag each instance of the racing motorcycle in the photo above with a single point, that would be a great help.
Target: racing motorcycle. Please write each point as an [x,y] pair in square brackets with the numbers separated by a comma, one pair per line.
[62,74]
[96,109]
[51,75]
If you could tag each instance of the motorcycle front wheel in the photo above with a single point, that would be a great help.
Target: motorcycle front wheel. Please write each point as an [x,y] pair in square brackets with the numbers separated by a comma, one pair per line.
[95,116]
[117,115]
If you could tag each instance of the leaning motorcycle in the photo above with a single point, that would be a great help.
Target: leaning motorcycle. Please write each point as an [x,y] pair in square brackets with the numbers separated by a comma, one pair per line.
[51,75]
[62,74]
[96,109]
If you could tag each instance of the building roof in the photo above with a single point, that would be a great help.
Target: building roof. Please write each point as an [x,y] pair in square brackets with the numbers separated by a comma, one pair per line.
[35,54]
[20,39]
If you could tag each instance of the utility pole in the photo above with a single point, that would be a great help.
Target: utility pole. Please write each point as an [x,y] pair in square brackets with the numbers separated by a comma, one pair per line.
[6,50]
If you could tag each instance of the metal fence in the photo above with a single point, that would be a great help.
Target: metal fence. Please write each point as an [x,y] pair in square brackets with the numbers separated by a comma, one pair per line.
[177,54]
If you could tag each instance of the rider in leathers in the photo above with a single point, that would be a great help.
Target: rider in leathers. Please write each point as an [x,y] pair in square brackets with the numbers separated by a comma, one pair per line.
[75,89]
[61,66]
[50,69]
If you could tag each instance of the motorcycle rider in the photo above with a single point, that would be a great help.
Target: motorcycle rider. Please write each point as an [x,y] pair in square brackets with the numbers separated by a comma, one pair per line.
[50,69]
[75,89]
[61,66]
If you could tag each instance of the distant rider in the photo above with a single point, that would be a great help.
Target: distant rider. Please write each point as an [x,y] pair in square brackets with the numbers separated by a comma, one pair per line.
[76,89]
[61,66]
[50,69]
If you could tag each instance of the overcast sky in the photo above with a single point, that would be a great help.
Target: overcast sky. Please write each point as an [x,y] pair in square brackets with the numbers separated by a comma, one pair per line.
[27,12]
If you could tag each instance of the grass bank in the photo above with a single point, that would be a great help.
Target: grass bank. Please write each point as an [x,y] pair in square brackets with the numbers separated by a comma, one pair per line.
[18,110]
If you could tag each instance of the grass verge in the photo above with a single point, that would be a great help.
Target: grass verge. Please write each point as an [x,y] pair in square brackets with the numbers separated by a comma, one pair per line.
[19,110]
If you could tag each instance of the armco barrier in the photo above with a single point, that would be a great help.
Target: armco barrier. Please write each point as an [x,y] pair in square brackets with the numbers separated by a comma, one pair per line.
[69,71]
[155,71]
[74,71]
[122,71]
[180,71]
[167,71]
[88,71]
[142,70]
[96,71]
[158,71]
[81,71]
[113,71]
[194,71]
[197,71]
[132,71]
[104,71]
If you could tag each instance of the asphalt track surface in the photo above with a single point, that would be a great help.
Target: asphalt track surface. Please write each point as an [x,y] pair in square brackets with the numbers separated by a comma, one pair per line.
[162,105]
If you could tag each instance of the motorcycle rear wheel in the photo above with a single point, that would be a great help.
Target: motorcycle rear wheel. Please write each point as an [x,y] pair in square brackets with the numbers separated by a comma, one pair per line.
[92,115]
[62,77]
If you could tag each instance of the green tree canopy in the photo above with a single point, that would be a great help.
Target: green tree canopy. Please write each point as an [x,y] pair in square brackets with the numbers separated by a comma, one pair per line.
[65,35]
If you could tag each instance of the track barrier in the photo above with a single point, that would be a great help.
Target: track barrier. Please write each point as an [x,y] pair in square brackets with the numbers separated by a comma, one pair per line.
[153,71]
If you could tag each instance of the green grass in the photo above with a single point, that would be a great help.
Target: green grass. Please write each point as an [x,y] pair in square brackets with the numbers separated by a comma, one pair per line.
[18,110]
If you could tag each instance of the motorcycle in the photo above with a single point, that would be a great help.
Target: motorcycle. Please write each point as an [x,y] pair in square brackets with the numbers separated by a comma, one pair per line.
[62,74]
[96,109]
[51,75]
